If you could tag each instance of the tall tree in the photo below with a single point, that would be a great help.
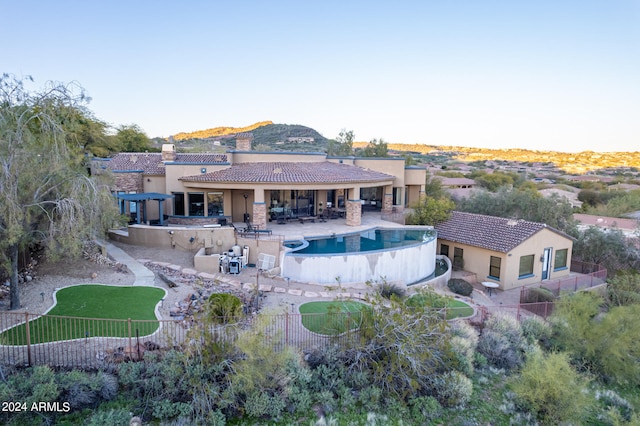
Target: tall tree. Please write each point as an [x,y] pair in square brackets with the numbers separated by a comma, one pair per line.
[430,211]
[376,148]
[342,145]
[529,205]
[89,133]
[131,138]
[48,198]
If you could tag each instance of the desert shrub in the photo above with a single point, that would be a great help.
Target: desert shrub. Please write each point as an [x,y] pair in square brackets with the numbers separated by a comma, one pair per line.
[464,342]
[605,343]
[624,289]
[109,417]
[223,308]
[502,342]
[425,409]
[82,389]
[538,294]
[165,409]
[536,330]
[452,389]
[549,387]
[614,402]
[28,386]
[260,404]
[263,377]
[389,290]
[370,398]
[400,348]
[460,286]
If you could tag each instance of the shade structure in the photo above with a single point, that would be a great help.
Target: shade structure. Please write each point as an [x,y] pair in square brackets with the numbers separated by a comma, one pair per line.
[143,197]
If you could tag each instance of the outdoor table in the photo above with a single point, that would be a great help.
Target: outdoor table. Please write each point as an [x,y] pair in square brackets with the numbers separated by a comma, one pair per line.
[490,285]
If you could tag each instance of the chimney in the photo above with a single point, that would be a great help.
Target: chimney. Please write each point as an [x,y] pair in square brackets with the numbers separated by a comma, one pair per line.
[168,152]
[243,141]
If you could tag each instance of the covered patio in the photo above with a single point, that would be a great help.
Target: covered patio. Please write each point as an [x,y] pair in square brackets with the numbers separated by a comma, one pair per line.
[139,216]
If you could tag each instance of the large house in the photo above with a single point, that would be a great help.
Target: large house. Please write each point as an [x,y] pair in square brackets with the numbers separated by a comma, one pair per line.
[509,252]
[242,185]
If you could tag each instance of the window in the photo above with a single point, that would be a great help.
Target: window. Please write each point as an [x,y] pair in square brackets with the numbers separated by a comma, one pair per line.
[560,261]
[494,267]
[178,203]
[457,258]
[196,204]
[215,204]
[397,196]
[444,250]
[526,266]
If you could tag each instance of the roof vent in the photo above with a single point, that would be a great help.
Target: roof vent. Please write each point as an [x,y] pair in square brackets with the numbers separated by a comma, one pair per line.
[512,222]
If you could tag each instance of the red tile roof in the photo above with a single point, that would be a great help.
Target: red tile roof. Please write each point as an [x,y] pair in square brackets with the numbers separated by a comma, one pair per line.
[151,162]
[489,232]
[290,172]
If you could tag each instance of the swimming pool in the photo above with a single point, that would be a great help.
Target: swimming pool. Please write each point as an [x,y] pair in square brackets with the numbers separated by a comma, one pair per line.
[398,255]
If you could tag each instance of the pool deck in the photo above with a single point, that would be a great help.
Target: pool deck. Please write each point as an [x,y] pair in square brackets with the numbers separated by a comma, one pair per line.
[294,230]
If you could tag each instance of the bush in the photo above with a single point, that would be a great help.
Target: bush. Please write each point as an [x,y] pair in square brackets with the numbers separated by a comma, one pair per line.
[425,409]
[550,387]
[539,294]
[453,389]
[502,342]
[612,401]
[464,341]
[460,286]
[536,330]
[224,308]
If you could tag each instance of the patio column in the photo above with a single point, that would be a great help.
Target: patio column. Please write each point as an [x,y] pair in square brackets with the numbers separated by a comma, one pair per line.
[387,199]
[259,208]
[354,207]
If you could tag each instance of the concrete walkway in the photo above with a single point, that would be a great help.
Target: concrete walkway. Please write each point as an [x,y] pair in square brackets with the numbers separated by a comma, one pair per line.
[144,276]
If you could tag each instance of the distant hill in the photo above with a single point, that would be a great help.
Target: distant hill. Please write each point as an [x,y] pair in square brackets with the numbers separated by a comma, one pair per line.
[219,131]
[276,137]
[295,137]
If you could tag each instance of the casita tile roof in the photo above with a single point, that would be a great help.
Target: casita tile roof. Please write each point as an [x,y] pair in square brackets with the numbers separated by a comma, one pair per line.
[291,172]
[489,232]
[151,162]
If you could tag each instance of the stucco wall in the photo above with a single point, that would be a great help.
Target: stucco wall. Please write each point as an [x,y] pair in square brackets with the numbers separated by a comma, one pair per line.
[177,237]
[477,259]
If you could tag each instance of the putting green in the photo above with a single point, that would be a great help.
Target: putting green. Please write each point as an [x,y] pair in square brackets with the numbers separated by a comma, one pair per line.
[80,312]
[455,308]
[332,318]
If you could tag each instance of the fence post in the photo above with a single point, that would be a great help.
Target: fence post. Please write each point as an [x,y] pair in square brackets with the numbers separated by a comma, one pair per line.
[129,332]
[286,328]
[28,331]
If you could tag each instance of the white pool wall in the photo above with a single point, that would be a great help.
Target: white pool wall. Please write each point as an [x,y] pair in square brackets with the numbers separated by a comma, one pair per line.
[402,265]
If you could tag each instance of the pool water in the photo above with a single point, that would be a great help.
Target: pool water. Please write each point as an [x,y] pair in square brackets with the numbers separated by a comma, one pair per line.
[371,240]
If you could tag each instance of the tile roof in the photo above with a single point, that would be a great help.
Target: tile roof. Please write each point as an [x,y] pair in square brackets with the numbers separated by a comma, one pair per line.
[489,232]
[291,172]
[151,162]
[607,222]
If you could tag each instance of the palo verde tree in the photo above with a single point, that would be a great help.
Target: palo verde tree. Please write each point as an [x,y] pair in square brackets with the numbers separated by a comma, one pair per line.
[342,145]
[48,198]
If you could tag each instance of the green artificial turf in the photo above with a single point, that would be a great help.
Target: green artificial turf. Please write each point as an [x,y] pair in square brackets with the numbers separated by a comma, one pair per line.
[88,306]
[455,308]
[332,318]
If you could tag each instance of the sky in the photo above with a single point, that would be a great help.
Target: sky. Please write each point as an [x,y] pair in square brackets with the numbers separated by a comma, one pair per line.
[561,75]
